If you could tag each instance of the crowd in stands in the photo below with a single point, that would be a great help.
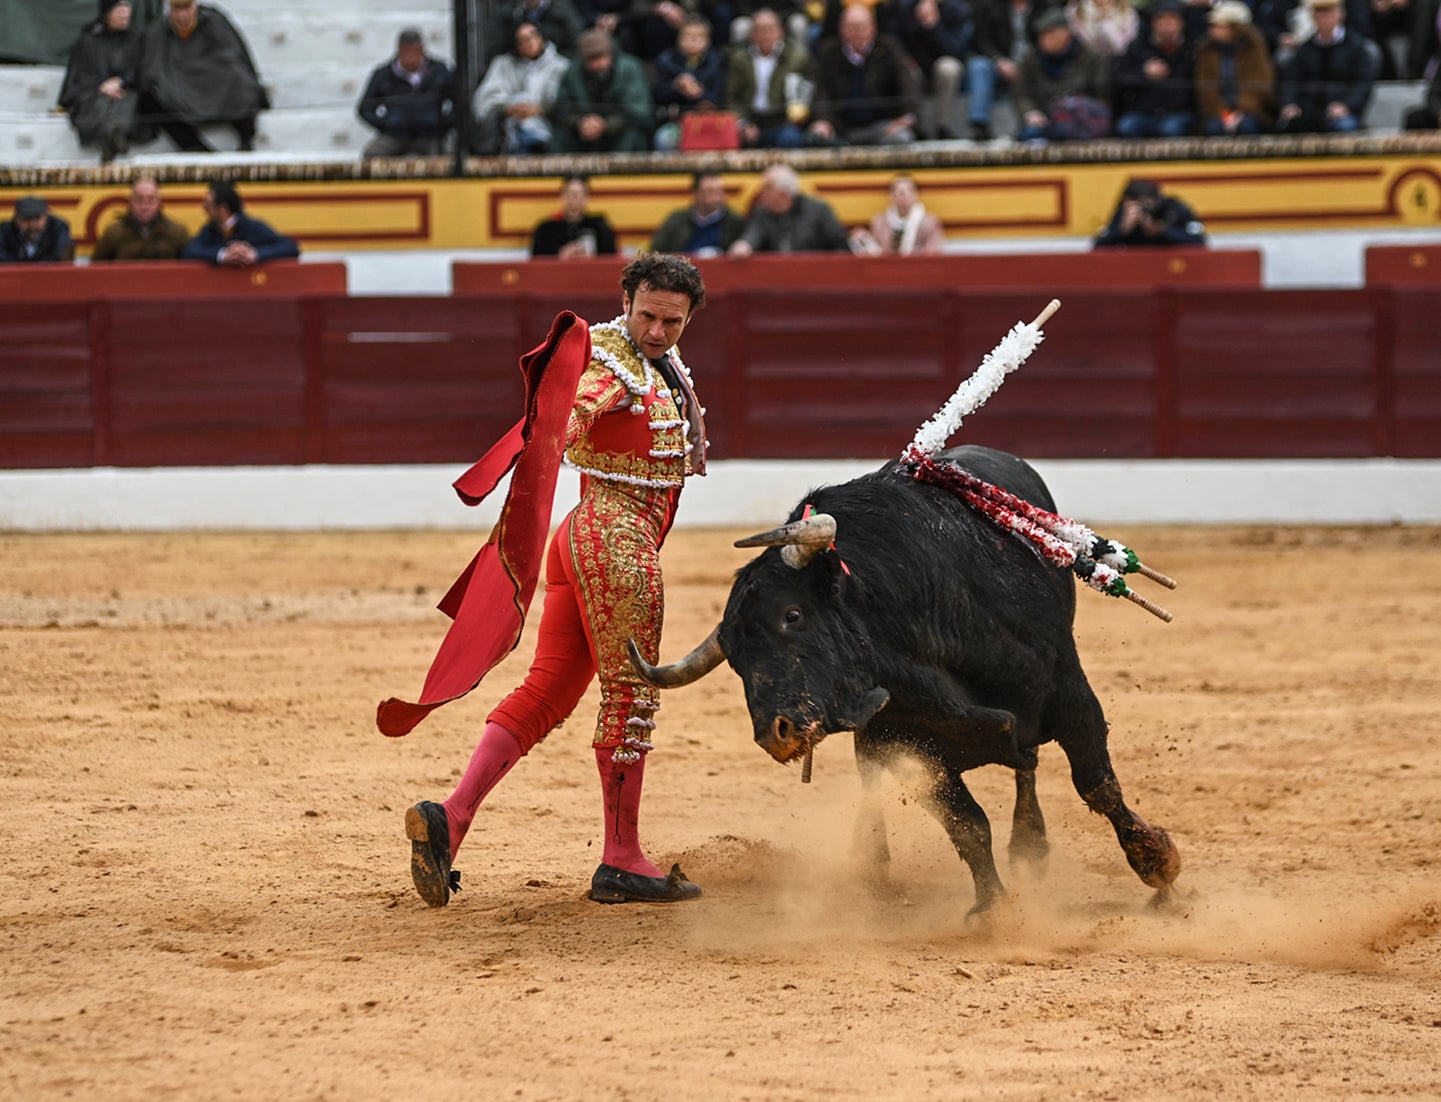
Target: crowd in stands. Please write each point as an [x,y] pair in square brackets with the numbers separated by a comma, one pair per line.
[635,75]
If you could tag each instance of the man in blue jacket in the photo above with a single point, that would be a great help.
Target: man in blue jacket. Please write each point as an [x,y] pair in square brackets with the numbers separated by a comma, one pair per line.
[230,238]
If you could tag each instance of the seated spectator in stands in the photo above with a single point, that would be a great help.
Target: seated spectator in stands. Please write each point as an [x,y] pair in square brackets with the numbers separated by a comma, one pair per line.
[1235,82]
[996,53]
[1328,84]
[1145,216]
[1062,88]
[560,21]
[35,235]
[196,71]
[785,221]
[904,228]
[651,27]
[99,92]
[603,104]
[937,35]
[410,100]
[867,88]
[768,86]
[573,232]
[512,103]
[143,232]
[1155,80]
[690,76]
[232,239]
[1106,27]
[1428,115]
[708,227]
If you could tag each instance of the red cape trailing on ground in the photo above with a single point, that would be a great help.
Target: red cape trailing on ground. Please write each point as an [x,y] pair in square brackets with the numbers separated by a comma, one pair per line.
[488,602]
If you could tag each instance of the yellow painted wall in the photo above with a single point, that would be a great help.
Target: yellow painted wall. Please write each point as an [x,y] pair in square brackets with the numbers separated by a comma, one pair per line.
[1371,192]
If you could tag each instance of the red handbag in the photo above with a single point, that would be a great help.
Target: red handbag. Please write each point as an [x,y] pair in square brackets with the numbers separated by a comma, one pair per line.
[701,130]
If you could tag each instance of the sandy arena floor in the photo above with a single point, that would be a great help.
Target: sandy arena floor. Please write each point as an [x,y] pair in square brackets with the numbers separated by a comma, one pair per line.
[205,892]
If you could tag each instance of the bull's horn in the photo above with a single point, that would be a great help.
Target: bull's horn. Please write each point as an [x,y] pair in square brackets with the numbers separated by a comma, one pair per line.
[799,540]
[692,667]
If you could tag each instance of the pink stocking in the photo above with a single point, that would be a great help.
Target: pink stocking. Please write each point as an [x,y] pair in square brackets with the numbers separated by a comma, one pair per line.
[620,785]
[497,752]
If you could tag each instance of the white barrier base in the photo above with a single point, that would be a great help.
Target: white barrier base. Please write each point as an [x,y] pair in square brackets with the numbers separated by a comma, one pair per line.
[736,493]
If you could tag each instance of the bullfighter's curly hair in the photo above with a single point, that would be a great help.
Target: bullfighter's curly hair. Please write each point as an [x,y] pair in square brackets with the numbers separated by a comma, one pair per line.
[664,272]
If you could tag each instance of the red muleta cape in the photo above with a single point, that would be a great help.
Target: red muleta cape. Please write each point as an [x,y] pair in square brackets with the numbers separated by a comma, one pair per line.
[488,602]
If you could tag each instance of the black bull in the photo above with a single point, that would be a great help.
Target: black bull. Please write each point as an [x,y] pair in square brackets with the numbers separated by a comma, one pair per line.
[923,628]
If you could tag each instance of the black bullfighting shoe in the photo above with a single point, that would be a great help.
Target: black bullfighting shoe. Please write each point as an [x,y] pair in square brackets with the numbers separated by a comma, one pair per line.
[429,836]
[613,885]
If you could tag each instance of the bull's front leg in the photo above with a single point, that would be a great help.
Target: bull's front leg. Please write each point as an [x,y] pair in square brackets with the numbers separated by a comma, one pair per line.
[1028,825]
[970,832]
[1148,848]
[872,850]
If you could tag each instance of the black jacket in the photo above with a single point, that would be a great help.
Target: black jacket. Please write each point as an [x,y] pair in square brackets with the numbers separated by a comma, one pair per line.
[1138,93]
[268,245]
[1181,227]
[55,243]
[396,108]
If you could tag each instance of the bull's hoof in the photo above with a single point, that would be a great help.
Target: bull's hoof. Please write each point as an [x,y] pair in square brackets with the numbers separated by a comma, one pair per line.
[1029,851]
[1152,855]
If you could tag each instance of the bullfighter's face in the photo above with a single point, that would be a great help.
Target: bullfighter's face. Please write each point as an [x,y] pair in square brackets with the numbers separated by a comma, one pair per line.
[655,319]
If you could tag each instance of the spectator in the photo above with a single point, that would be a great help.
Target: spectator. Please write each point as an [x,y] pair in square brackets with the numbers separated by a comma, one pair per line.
[1155,80]
[1235,83]
[560,21]
[1145,216]
[1327,85]
[768,86]
[1005,33]
[573,232]
[1061,86]
[513,101]
[937,35]
[1428,115]
[708,227]
[651,27]
[603,104]
[690,76]
[410,100]
[1105,27]
[197,71]
[142,232]
[232,239]
[99,92]
[904,228]
[867,89]
[785,221]
[35,235]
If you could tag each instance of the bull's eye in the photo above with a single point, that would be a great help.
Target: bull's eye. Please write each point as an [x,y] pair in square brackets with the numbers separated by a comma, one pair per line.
[792,616]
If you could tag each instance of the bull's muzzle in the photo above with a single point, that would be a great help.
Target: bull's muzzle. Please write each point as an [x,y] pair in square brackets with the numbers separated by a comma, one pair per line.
[785,740]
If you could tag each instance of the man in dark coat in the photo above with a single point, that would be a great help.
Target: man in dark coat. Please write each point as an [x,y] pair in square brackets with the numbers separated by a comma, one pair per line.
[1155,79]
[35,235]
[232,239]
[867,88]
[573,232]
[143,232]
[603,104]
[99,93]
[708,227]
[1144,216]
[785,221]
[410,100]
[197,71]
[937,34]
[1328,83]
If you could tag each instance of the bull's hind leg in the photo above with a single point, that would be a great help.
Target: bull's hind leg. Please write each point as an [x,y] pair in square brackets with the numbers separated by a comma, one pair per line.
[970,832]
[1028,826]
[1080,728]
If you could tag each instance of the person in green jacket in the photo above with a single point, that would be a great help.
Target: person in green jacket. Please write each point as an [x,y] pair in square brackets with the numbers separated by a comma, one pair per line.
[603,104]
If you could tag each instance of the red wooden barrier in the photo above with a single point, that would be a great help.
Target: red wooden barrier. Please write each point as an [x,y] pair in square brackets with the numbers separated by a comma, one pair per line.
[178,279]
[1392,264]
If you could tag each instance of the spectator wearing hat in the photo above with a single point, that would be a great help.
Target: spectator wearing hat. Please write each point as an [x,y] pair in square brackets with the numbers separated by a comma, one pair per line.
[603,104]
[410,100]
[35,235]
[1145,216]
[99,92]
[197,71]
[1155,79]
[1328,83]
[867,88]
[1235,82]
[143,232]
[230,238]
[1062,87]
[519,88]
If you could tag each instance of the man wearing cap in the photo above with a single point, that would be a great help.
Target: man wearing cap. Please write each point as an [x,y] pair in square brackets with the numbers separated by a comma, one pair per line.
[197,71]
[410,100]
[1145,216]
[35,235]
[603,104]
[1235,81]
[1062,86]
[142,232]
[232,239]
[1327,85]
[1155,78]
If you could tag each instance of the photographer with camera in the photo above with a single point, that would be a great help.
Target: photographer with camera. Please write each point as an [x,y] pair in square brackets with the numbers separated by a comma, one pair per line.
[1146,217]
